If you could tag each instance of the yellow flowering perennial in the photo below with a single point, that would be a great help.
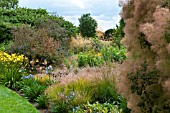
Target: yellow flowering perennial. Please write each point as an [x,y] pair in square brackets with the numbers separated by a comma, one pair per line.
[11,59]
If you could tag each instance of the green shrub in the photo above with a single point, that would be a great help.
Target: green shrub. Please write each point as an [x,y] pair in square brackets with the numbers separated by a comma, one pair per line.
[69,96]
[9,75]
[9,4]
[31,88]
[111,53]
[16,17]
[104,91]
[60,107]
[98,108]
[2,47]
[65,97]
[34,44]
[90,58]
[42,101]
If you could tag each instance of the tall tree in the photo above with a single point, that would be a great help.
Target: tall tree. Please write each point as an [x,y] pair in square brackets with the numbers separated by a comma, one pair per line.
[8,4]
[87,26]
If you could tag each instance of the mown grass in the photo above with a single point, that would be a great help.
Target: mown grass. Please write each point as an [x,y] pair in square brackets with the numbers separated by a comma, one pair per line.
[11,102]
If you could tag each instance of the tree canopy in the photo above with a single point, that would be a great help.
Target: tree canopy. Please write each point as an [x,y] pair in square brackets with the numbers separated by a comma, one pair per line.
[87,26]
[8,4]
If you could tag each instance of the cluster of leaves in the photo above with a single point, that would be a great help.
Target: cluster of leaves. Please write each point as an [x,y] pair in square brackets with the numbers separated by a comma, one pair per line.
[42,101]
[166,3]
[145,84]
[31,88]
[16,17]
[98,108]
[96,44]
[45,41]
[118,33]
[9,4]
[106,54]
[4,45]
[112,53]
[90,58]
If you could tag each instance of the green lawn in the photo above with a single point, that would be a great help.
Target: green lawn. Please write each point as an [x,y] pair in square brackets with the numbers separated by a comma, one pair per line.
[11,102]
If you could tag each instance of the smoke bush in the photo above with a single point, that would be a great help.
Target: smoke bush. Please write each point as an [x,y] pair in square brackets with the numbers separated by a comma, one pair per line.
[147,40]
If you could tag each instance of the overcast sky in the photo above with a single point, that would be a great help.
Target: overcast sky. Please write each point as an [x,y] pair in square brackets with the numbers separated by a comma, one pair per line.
[106,12]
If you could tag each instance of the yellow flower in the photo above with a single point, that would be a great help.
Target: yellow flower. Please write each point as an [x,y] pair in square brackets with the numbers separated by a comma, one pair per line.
[11,59]
[37,60]
[99,54]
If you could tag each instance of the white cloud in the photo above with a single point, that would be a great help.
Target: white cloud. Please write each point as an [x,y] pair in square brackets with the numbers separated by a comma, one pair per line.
[107,24]
[106,12]
[78,3]
[102,23]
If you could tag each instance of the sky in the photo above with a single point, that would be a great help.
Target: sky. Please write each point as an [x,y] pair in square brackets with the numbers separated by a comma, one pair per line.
[106,12]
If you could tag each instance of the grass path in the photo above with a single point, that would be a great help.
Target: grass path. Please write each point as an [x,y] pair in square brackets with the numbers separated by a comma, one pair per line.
[11,102]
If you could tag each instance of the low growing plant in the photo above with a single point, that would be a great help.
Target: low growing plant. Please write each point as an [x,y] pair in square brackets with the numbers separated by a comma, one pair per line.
[98,108]
[9,69]
[42,101]
[31,88]
[90,58]
[111,53]
[65,97]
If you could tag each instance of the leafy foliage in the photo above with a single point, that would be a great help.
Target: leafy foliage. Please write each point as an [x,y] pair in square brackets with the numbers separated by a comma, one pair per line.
[69,95]
[60,34]
[9,75]
[112,53]
[98,108]
[31,88]
[34,44]
[118,33]
[77,93]
[9,4]
[42,101]
[145,84]
[87,26]
[10,18]
[89,58]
